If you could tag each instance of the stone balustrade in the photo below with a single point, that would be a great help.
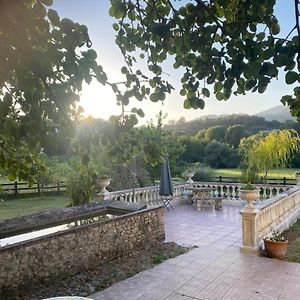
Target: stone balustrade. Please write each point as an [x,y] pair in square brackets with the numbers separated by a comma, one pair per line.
[147,195]
[231,191]
[275,213]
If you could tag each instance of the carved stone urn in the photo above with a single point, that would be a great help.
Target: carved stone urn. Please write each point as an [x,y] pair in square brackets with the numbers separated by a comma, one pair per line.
[250,196]
[103,184]
[189,175]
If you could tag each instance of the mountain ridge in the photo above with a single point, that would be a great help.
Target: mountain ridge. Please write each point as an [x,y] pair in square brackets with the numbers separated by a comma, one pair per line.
[279,113]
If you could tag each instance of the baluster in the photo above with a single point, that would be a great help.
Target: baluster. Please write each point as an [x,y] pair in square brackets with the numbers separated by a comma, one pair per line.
[237,192]
[230,190]
[219,189]
[225,191]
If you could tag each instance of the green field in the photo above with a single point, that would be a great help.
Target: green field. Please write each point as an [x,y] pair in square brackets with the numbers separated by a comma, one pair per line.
[275,173]
[26,206]
[293,236]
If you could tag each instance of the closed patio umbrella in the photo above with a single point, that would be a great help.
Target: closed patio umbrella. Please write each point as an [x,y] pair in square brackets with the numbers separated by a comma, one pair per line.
[166,186]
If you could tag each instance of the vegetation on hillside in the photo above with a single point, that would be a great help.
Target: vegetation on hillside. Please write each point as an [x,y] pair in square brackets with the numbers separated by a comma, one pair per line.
[228,45]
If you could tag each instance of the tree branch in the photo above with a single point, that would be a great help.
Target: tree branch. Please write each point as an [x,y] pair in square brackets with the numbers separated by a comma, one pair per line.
[298,29]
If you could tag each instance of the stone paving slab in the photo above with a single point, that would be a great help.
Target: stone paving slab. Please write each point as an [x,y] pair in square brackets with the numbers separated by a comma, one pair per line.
[215,270]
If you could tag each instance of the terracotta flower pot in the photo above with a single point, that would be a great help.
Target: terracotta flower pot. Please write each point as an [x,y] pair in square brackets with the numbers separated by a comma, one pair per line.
[276,249]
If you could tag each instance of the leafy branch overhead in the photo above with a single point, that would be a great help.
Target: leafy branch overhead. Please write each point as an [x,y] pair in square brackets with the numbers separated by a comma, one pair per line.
[44,61]
[232,45]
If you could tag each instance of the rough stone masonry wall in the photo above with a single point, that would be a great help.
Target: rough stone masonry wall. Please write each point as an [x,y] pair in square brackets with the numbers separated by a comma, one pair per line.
[66,253]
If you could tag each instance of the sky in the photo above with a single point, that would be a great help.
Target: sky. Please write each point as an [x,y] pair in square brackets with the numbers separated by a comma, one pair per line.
[99,101]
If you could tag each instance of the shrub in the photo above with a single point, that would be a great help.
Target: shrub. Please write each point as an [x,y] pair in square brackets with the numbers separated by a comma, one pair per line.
[81,185]
[203,174]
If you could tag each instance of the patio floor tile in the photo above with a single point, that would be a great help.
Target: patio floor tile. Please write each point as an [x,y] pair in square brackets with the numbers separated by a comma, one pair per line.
[215,270]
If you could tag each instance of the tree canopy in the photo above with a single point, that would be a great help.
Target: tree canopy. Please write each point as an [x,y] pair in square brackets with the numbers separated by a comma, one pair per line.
[233,45]
[272,151]
[43,62]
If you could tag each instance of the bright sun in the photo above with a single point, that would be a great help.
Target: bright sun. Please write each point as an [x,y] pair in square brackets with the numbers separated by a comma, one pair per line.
[98,101]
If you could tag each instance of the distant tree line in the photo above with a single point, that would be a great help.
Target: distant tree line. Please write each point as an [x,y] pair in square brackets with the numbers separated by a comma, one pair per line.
[221,142]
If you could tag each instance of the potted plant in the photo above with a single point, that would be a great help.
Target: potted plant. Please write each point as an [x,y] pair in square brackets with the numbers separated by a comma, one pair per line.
[276,245]
[249,193]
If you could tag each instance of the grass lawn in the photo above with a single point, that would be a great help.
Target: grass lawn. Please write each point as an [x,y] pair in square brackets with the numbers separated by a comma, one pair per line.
[275,173]
[26,206]
[293,236]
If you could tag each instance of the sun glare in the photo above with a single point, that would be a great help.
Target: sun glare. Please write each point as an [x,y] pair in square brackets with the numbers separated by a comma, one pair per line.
[99,101]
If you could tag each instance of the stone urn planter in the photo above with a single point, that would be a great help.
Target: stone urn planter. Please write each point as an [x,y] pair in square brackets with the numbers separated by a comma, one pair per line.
[250,196]
[276,249]
[103,184]
[189,175]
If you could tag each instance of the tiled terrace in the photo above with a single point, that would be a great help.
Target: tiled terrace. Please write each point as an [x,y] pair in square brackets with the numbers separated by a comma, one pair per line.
[214,270]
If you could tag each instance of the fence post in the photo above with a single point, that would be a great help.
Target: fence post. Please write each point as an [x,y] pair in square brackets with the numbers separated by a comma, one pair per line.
[284,180]
[220,178]
[38,188]
[58,186]
[16,188]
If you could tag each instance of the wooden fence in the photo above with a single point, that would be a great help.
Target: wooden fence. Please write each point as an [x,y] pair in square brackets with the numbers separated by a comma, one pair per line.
[18,188]
[280,181]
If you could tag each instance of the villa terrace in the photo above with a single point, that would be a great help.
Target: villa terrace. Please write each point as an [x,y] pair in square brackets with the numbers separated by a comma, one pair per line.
[215,269]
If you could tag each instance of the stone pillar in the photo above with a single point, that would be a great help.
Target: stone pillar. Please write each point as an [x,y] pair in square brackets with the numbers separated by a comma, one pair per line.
[249,231]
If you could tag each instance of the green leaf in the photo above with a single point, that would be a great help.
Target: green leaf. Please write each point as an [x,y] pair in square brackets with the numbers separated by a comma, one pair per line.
[218,87]
[47,2]
[124,70]
[53,17]
[116,27]
[187,104]
[291,77]
[182,92]
[219,96]
[154,97]
[205,92]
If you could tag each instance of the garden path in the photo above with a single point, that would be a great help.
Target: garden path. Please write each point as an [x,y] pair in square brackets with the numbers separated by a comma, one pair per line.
[214,270]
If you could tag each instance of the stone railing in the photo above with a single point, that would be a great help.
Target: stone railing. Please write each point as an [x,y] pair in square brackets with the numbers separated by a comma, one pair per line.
[147,195]
[231,191]
[276,213]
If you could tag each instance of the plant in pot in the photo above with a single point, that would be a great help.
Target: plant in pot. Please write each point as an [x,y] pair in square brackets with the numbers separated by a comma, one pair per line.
[248,191]
[275,245]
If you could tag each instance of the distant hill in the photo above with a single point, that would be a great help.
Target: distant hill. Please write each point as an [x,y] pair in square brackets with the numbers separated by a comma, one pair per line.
[253,124]
[279,113]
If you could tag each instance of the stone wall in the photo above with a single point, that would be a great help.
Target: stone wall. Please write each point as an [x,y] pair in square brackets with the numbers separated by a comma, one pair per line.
[65,253]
